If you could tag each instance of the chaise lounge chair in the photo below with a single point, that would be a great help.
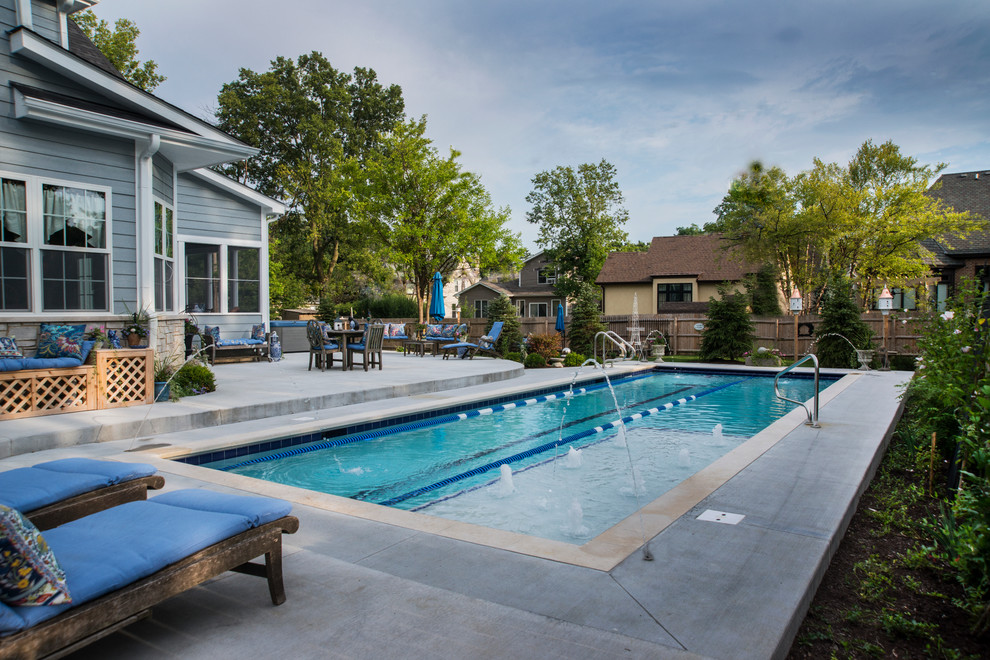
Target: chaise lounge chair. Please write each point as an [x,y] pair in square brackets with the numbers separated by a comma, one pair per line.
[55,492]
[485,345]
[120,562]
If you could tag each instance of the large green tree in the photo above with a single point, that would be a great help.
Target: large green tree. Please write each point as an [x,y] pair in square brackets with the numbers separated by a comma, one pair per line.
[119,45]
[316,127]
[580,217]
[429,215]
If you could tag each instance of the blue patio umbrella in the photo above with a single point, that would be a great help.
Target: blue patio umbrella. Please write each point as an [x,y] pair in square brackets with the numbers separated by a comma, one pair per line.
[437,311]
[559,327]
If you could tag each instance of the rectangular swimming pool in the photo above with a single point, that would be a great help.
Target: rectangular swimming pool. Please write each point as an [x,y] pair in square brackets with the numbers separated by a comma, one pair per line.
[555,465]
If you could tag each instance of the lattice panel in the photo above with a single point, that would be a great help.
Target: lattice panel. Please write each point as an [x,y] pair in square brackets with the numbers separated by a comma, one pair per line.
[64,393]
[15,396]
[127,378]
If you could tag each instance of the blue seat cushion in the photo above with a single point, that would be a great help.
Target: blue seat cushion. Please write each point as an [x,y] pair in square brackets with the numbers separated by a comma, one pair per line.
[108,550]
[356,347]
[28,488]
[330,347]
[18,364]
[240,342]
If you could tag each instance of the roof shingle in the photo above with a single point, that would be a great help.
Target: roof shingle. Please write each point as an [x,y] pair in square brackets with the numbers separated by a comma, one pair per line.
[707,257]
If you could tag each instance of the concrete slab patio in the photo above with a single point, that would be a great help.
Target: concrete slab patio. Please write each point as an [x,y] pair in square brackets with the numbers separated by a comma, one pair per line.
[363,582]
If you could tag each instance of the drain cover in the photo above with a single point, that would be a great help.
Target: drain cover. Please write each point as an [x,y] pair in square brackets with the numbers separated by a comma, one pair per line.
[721,517]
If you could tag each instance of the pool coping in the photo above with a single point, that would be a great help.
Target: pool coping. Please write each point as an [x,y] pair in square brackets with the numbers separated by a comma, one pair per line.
[603,552]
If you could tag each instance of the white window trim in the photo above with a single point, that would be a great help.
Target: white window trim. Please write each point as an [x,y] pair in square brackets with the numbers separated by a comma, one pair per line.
[536,304]
[34,185]
[174,258]
[223,244]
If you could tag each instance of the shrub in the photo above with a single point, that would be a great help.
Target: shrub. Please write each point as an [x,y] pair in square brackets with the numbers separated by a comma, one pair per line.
[535,361]
[547,345]
[728,331]
[840,316]
[574,360]
[391,306]
[502,309]
[194,378]
[586,320]
[515,356]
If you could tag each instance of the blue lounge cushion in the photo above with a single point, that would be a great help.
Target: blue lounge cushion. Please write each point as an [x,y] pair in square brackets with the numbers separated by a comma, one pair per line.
[144,537]
[115,472]
[19,364]
[30,575]
[240,342]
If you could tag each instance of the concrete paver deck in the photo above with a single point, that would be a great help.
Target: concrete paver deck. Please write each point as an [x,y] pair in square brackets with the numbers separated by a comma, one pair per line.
[361,586]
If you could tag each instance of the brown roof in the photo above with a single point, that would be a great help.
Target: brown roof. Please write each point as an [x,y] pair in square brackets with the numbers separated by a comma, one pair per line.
[965,191]
[707,257]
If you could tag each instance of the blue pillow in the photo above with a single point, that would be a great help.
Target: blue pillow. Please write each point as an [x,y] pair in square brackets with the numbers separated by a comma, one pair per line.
[55,341]
[258,331]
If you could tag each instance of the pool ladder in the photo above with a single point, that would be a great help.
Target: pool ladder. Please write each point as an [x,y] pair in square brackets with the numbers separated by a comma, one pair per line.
[812,415]
[627,350]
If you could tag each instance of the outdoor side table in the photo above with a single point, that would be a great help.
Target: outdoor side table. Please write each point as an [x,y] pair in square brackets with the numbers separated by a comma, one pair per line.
[414,346]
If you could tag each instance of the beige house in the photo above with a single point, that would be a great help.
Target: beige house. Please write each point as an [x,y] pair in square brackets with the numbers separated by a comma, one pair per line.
[677,274]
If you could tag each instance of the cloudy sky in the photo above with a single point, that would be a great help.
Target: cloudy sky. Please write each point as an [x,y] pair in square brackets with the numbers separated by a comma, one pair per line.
[679,96]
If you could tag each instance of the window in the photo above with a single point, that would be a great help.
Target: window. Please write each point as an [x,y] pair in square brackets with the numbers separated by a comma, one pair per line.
[673,293]
[938,294]
[243,280]
[520,307]
[546,276]
[14,282]
[164,258]
[554,304]
[538,309]
[202,278]
[54,236]
[481,309]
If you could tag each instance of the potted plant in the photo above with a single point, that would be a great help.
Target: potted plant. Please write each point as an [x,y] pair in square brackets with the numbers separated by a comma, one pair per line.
[764,356]
[191,331]
[136,327]
[164,370]
[99,335]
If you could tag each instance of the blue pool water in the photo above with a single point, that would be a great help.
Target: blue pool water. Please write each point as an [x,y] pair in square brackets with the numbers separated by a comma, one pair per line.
[571,476]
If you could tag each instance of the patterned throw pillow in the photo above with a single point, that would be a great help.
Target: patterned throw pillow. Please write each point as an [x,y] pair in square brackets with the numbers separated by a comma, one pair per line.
[214,331]
[55,341]
[29,572]
[258,331]
[433,330]
[397,330]
[8,348]
[448,331]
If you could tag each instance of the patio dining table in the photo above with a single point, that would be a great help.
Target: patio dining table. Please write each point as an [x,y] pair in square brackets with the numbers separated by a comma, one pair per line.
[343,335]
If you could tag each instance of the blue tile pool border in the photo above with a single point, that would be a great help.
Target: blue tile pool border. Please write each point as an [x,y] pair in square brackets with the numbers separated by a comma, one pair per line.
[277,444]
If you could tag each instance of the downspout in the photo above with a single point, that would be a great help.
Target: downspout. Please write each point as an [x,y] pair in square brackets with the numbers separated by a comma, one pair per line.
[144,235]
[24,16]
[264,259]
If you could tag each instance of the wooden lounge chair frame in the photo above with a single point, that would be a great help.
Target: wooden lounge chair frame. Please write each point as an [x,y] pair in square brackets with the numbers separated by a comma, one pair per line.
[94,620]
[71,508]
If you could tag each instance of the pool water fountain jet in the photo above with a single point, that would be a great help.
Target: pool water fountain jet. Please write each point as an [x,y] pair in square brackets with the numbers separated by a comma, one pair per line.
[647,555]
[864,356]
[505,485]
[684,457]
[717,434]
[575,519]
[573,459]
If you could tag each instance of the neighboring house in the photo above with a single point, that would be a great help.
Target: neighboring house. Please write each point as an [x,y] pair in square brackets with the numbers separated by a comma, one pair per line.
[532,292]
[677,274]
[955,258]
[105,203]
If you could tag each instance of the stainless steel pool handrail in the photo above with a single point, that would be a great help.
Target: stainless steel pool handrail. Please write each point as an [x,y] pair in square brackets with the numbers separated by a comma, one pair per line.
[618,341]
[812,417]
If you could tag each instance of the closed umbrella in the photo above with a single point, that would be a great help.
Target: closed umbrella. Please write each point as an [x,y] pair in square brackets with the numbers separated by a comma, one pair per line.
[437,311]
[559,327]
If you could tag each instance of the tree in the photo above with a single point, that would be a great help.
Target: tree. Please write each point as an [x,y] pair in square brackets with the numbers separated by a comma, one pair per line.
[691,230]
[315,127]
[580,218]
[586,319]
[728,331]
[502,309]
[119,45]
[430,215]
[842,329]
[763,294]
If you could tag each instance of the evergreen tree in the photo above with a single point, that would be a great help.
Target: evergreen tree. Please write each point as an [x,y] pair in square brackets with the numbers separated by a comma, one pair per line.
[728,331]
[763,294]
[840,318]
[586,320]
[502,309]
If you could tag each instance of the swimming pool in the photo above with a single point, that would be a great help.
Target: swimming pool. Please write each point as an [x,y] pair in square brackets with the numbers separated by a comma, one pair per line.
[573,474]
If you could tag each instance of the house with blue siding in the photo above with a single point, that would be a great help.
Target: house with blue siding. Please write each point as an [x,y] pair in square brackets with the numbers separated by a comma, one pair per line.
[107,202]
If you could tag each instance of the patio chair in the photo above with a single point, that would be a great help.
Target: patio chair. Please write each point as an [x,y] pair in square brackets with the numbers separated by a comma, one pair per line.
[485,345]
[119,563]
[370,347]
[320,347]
[56,492]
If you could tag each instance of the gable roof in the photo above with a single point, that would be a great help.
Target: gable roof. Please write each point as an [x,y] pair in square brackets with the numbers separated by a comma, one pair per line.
[707,257]
[965,191]
[81,46]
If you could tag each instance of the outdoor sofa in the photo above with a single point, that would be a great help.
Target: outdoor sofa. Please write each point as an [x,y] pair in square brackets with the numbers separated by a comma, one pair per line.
[120,562]
[255,345]
[56,492]
[439,334]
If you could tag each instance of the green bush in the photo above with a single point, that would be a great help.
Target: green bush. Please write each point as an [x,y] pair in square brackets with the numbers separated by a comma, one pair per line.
[728,331]
[586,320]
[193,378]
[502,309]
[535,361]
[574,360]
[840,316]
[391,306]
[515,356]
